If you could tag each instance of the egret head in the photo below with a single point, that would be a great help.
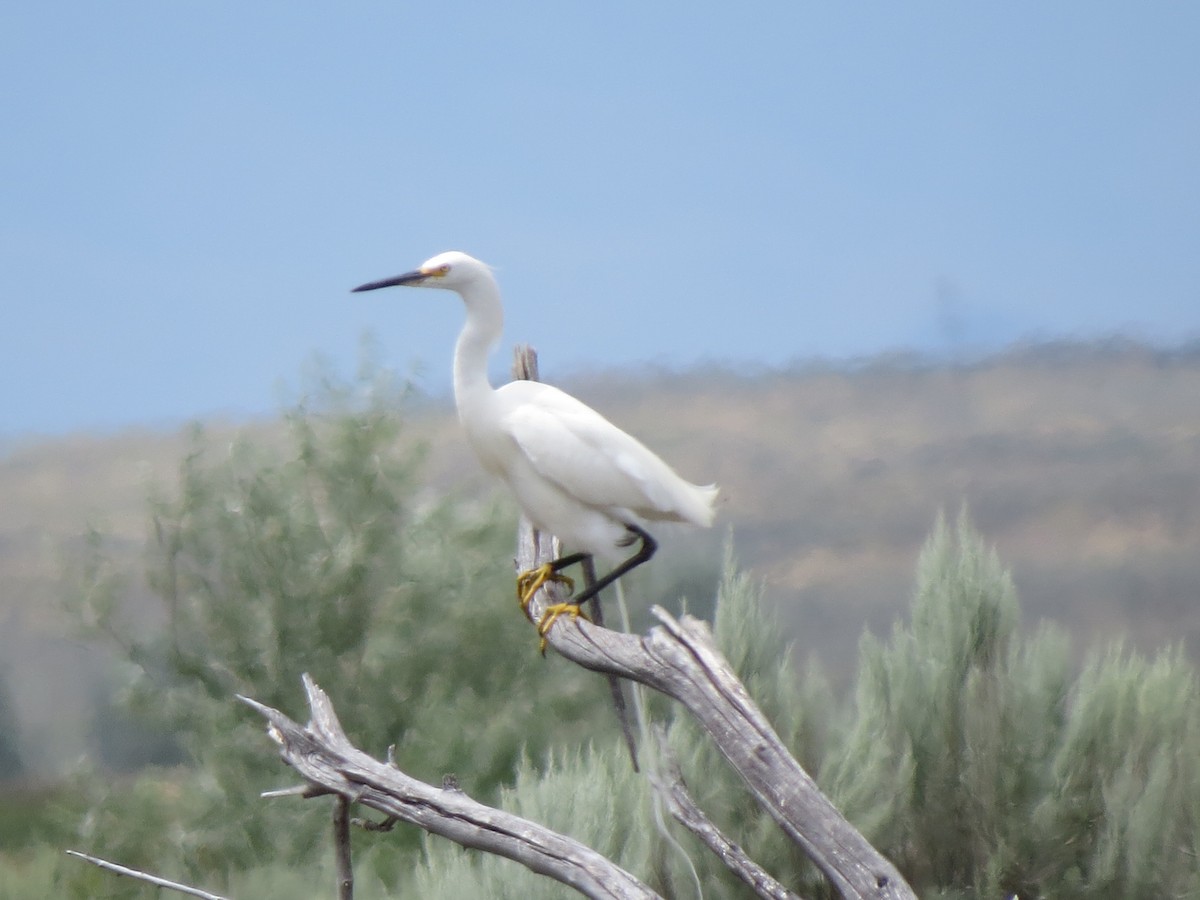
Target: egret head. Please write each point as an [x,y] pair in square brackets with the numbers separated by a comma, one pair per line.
[452,270]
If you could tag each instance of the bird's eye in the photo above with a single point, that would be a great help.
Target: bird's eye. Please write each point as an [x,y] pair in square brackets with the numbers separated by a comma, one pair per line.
[443,269]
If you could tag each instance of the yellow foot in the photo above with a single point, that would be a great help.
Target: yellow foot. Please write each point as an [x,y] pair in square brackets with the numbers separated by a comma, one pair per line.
[531,581]
[551,614]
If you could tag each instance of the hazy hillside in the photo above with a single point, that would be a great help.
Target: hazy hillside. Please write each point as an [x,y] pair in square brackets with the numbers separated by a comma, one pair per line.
[1080,462]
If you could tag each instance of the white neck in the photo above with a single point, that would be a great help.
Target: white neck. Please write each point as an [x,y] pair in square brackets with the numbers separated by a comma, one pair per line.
[485,321]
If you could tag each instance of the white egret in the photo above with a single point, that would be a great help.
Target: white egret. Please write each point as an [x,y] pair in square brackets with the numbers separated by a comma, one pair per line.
[573,473]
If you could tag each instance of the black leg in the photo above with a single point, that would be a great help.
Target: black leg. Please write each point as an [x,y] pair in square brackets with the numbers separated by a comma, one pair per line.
[614,683]
[557,565]
[591,591]
[592,586]
[645,551]
[588,564]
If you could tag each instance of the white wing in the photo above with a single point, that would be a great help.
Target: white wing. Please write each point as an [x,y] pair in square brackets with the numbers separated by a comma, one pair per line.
[595,462]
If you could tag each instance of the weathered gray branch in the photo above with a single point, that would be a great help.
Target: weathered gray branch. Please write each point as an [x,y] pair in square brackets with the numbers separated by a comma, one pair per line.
[322,754]
[669,785]
[145,876]
[679,658]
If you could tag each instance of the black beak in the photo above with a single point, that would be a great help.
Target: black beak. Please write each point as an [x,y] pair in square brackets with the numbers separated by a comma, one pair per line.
[407,278]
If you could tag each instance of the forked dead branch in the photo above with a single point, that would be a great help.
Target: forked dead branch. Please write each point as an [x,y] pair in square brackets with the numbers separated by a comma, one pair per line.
[325,758]
[677,658]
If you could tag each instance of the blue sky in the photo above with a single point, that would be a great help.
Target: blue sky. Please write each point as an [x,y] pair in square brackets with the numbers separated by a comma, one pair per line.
[189,190]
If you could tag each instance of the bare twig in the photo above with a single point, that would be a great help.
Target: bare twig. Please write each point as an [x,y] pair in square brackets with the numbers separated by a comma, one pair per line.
[341,848]
[525,363]
[298,790]
[322,754]
[369,825]
[145,876]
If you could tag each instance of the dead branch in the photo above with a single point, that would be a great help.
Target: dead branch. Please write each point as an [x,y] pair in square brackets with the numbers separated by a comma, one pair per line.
[341,848]
[322,754]
[669,785]
[679,658]
[145,876]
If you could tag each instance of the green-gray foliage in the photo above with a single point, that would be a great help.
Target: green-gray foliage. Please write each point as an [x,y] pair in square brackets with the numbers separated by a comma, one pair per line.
[590,794]
[11,764]
[798,707]
[973,755]
[1122,814]
[977,763]
[972,752]
[318,551]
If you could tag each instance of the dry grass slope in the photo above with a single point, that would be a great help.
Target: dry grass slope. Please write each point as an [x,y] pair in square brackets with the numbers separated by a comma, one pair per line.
[1080,462]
